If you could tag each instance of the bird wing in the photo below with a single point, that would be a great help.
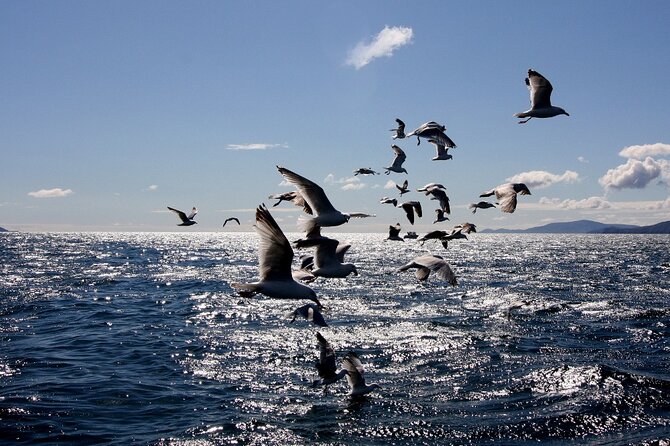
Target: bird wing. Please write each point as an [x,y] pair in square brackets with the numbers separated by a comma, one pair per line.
[341,250]
[394,231]
[182,216]
[540,90]
[417,207]
[275,251]
[507,203]
[409,211]
[326,365]
[194,211]
[360,215]
[312,193]
[231,219]
[400,156]
[355,371]
[325,252]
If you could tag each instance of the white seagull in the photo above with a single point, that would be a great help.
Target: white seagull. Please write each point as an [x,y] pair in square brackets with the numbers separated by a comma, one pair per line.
[432,130]
[274,265]
[400,158]
[355,376]
[540,99]
[329,257]
[429,186]
[186,220]
[400,130]
[293,197]
[411,207]
[480,205]
[442,151]
[426,264]
[326,214]
[506,195]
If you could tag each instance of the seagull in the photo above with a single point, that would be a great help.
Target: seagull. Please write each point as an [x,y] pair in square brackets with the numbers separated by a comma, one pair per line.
[428,263]
[480,205]
[185,220]
[326,365]
[455,233]
[466,228]
[404,188]
[432,235]
[387,200]
[441,196]
[400,131]
[326,214]
[275,257]
[329,257]
[411,235]
[400,158]
[440,216]
[441,151]
[394,232]
[430,186]
[410,207]
[311,313]
[432,131]
[540,99]
[352,364]
[365,171]
[293,197]
[231,219]
[506,195]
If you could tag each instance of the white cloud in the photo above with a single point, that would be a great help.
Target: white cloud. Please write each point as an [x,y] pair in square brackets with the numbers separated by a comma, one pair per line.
[581,159]
[388,40]
[350,183]
[255,146]
[586,203]
[645,150]
[153,187]
[635,174]
[51,193]
[541,178]
[389,185]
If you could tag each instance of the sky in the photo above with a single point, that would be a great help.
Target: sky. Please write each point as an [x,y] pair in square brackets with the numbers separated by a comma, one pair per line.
[112,111]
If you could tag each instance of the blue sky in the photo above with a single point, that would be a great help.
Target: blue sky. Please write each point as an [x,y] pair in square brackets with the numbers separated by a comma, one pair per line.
[111,111]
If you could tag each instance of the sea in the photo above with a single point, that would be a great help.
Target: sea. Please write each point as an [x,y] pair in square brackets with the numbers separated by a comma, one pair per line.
[138,338]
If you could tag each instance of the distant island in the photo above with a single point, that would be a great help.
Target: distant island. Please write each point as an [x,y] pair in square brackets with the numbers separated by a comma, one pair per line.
[587,227]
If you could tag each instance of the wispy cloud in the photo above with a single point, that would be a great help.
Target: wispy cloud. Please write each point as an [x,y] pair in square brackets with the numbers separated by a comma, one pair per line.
[541,178]
[581,159]
[384,44]
[389,185]
[51,193]
[645,150]
[152,188]
[350,183]
[586,203]
[255,146]
[635,174]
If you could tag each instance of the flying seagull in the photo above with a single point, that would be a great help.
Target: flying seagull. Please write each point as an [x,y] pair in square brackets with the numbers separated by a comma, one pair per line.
[329,257]
[404,188]
[506,195]
[400,130]
[540,99]
[365,171]
[293,197]
[441,196]
[426,264]
[326,365]
[185,220]
[429,186]
[410,208]
[394,233]
[274,264]
[466,228]
[431,130]
[442,151]
[440,216]
[231,219]
[387,200]
[311,313]
[352,364]
[480,205]
[400,158]
[326,214]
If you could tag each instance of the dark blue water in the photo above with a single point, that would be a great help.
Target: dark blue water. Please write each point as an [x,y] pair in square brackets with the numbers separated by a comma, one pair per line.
[138,338]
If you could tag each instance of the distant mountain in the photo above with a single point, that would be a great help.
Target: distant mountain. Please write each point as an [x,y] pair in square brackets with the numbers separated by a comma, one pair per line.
[587,227]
